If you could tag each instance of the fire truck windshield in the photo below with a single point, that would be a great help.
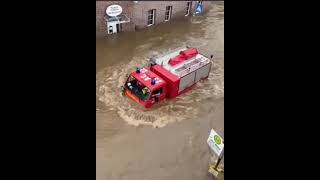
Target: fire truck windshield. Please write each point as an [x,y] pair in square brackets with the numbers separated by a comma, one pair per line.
[137,88]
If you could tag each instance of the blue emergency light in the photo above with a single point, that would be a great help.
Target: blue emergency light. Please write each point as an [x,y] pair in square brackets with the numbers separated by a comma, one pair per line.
[153,81]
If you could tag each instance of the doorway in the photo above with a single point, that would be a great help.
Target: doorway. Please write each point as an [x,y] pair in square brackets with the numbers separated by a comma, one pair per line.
[114,27]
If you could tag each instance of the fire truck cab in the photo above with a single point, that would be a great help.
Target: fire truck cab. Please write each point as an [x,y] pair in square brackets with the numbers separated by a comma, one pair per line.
[145,87]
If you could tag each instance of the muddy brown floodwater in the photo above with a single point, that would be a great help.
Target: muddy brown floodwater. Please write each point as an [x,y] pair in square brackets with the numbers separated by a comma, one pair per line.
[168,141]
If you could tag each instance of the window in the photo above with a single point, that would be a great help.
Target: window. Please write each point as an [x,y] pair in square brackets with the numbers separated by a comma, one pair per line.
[137,88]
[151,18]
[168,13]
[188,8]
[119,27]
[157,92]
[110,29]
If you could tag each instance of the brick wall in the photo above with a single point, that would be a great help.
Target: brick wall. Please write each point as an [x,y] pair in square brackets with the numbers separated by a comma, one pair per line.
[141,9]
[138,12]
[101,6]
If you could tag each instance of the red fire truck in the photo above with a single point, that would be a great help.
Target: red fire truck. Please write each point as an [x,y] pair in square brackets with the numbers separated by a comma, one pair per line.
[168,76]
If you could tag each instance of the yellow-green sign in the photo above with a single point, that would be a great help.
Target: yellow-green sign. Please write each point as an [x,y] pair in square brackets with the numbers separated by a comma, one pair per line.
[215,142]
[217,139]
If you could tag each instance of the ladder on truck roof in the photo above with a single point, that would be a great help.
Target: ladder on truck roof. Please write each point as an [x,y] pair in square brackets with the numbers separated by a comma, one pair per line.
[182,68]
[190,66]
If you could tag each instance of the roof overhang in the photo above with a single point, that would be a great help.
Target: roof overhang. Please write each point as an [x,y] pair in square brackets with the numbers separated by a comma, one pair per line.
[119,19]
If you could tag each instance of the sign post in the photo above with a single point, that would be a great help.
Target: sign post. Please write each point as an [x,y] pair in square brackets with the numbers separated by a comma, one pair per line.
[216,143]
[218,162]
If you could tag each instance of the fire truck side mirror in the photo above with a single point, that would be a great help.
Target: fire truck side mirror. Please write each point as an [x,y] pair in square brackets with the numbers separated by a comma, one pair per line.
[122,90]
[152,61]
[155,98]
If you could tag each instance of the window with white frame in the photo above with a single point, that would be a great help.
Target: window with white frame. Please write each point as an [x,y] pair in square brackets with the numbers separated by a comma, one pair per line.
[188,8]
[168,13]
[151,17]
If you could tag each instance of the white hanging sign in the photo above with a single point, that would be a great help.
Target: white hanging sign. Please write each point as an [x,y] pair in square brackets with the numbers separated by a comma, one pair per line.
[114,10]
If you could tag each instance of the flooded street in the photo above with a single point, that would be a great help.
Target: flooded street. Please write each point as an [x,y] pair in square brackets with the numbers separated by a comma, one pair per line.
[168,141]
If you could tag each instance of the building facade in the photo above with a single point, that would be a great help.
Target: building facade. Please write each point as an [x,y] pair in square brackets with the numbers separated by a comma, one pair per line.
[140,14]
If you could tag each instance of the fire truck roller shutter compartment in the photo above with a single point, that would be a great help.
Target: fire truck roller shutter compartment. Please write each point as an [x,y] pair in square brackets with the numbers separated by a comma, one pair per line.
[187,81]
[203,72]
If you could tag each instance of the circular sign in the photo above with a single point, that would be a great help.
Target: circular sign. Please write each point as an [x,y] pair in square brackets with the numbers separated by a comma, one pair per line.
[217,139]
[114,10]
